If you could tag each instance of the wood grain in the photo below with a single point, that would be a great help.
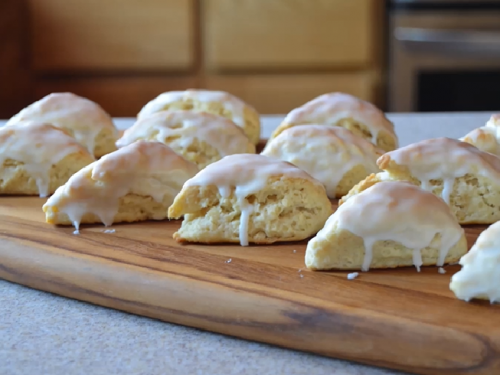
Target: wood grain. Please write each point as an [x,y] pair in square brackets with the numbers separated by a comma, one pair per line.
[284,34]
[112,34]
[399,319]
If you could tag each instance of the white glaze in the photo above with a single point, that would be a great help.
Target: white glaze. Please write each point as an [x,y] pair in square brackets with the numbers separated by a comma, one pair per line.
[38,146]
[486,138]
[230,102]
[246,174]
[395,211]
[82,118]
[330,108]
[446,159]
[142,168]
[326,153]
[480,273]
[219,132]
[352,276]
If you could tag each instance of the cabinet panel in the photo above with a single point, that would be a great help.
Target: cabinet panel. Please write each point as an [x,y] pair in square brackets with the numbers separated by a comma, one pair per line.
[121,97]
[279,94]
[15,77]
[112,34]
[248,34]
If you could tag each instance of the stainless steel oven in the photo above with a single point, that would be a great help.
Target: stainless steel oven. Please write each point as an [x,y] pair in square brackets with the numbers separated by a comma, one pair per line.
[444,55]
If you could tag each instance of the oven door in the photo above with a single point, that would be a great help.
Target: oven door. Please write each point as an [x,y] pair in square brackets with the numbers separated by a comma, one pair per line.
[444,61]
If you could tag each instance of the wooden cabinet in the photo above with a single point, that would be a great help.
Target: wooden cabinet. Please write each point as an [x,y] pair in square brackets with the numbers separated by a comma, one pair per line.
[285,34]
[275,54]
[112,34]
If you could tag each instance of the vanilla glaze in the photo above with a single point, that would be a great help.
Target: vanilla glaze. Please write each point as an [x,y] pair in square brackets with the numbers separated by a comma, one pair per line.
[230,102]
[330,108]
[446,159]
[38,146]
[327,153]
[246,174]
[142,168]
[80,117]
[480,273]
[184,127]
[399,212]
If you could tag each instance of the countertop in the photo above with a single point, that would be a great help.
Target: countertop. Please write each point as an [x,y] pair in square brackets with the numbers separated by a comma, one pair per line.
[41,333]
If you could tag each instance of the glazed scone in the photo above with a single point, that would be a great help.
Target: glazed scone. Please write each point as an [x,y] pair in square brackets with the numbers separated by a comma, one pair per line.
[486,138]
[391,224]
[333,155]
[138,182]
[36,158]
[83,119]
[339,109]
[467,179]
[480,274]
[249,198]
[202,138]
[216,102]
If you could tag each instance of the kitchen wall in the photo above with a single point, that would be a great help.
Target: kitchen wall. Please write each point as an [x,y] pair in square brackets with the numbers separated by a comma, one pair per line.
[275,54]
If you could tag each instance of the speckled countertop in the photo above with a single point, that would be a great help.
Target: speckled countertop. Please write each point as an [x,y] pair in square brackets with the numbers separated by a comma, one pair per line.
[45,334]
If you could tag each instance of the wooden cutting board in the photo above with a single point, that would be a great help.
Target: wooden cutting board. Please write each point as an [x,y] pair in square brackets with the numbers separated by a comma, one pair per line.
[399,319]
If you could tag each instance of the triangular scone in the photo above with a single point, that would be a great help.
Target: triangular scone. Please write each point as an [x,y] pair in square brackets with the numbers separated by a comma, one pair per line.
[135,183]
[216,102]
[339,109]
[37,158]
[480,274]
[202,138]
[486,138]
[391,224]
[249,198]
[333,155]
[83,119]
[467,179]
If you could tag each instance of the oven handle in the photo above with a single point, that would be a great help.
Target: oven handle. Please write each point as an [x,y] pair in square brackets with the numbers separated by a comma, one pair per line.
[478,43]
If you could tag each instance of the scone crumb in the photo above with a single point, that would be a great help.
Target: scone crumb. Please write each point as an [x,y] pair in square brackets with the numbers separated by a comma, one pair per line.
[352,276]
[294,251]
[301,276]
[229,260]
[441,270]
[300,270]
[109,230]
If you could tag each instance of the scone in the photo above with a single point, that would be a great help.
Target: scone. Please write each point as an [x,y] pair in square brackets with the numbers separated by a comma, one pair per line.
[339,109]
[216,102]
[83,119]
[480,274]
[486,138]
[467,179]
[391,224]
[249,198]
[135,183]
[333,155]
[200,137]
[37,158]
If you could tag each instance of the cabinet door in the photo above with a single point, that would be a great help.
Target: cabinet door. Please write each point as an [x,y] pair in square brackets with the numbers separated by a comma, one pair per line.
[247,34]
[279,94]
[112,34]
